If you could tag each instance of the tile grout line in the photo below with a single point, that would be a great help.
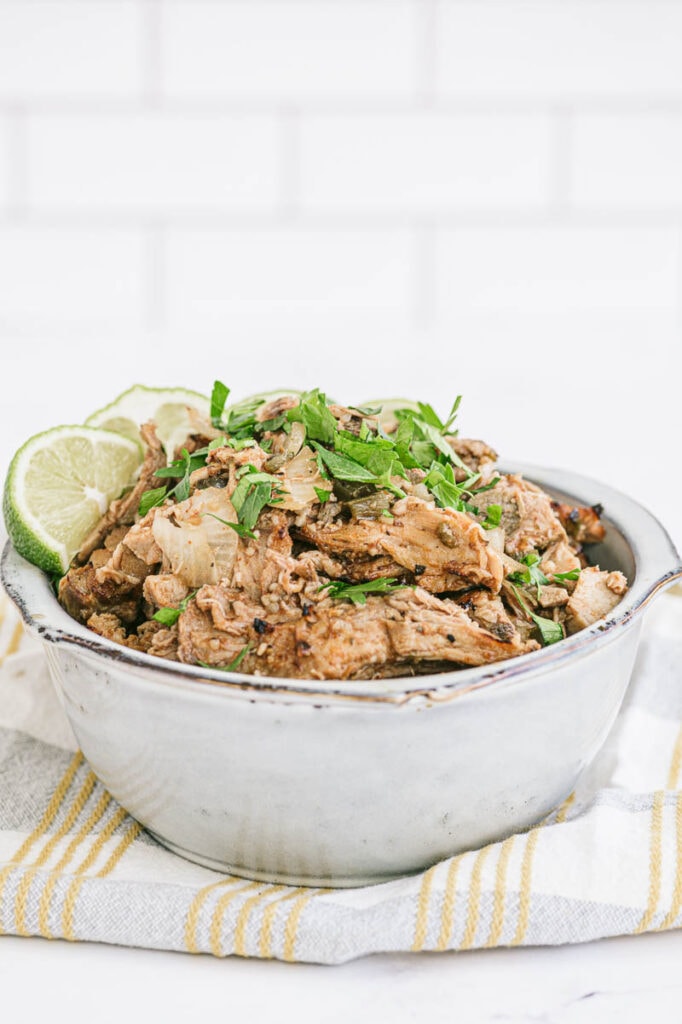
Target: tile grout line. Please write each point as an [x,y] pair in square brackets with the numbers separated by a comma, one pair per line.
[17,184]
[426,55]
[289,164]
[560,160]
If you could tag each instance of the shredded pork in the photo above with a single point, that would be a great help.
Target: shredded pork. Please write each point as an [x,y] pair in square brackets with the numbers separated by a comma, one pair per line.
[276,561]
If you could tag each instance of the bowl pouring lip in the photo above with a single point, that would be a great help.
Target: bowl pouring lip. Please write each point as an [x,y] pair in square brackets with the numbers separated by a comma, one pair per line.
[657,565]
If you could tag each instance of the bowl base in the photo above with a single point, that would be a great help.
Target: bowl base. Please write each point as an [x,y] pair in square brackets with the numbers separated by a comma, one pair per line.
[279,878]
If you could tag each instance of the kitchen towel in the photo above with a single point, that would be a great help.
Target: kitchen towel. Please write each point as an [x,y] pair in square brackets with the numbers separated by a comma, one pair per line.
[74,865]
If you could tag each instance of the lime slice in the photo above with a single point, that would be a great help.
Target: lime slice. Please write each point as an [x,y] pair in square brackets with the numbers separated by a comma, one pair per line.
[58,486]
[166,406]
[387,419]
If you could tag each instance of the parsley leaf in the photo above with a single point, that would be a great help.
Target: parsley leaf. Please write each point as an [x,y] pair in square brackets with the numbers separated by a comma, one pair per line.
[169,616]
[238,528]
[493,517]
[322,494]
[218,399]
[572,574]
[357,592]
[150,499]
[532,575]
[313,413]
[550,631]
[342,467]
[253,492]
[234,664]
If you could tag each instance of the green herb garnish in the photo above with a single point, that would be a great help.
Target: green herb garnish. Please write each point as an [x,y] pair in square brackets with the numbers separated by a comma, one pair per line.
[238,528]
[550,631]
[218,399]
[169,616]
[572,574]
[322,494]
[313,413]
[532,575]
[357,592]
[235,663]
[150,499]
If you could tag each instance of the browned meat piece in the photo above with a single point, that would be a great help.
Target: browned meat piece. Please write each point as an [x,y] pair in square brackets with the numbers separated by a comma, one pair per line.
[477,455]
[154,638]
[124,509]
[444,549]
[552,597]
[489,612]
[164,590]
[560,557]
[582,524]
[83,595]
[528,519]
[261,564]
[108,626]
[271,410]
[596,594]
[336,640]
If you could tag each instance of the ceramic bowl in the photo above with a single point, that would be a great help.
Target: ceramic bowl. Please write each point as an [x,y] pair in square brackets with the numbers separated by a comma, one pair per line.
[351,783]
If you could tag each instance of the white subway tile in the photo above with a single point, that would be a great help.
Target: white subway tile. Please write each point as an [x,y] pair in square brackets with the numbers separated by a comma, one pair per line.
[154,162]
[289,49]
[287,274]
[549,50]
[424,162]
[61,276]
[552,272]
[627,161]
[69,48]
[5,161]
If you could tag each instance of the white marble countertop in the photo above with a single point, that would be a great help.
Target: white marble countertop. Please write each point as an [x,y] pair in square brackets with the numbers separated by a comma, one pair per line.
[626,980]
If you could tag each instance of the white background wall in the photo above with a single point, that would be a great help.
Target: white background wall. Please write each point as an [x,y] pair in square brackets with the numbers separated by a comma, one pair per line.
[377,196]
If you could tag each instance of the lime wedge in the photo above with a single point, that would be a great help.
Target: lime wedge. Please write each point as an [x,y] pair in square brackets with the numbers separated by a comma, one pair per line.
[58,486]
[387,419]
[166,406]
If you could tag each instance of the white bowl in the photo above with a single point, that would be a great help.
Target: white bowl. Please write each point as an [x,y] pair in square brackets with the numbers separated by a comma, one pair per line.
[351,783]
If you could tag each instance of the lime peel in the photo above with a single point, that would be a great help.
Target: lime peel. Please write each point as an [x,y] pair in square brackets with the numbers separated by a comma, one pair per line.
[57,487]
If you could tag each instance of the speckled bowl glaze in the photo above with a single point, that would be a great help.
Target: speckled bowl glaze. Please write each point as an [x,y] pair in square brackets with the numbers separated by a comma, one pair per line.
[351,783]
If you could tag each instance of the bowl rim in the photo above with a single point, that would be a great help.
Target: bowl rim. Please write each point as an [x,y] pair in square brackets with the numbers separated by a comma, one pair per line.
[657,565]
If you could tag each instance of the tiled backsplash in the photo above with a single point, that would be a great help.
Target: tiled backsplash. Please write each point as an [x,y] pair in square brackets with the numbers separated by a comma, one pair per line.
[432,189]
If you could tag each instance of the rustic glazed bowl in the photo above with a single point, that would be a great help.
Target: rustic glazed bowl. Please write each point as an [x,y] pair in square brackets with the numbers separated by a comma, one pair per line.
[351,783]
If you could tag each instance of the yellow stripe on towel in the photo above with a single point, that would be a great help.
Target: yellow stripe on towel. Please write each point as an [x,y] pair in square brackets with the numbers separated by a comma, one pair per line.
[655,862]
[75,887]
[24,887]
[292,922]
[500,895]
[50,813]
[265,941]
[216,928]
[422,920]
[676,763]
[14,642]
[676,904]
[474,899]
[56,873]
[447,917]
[196,906]
[245,914]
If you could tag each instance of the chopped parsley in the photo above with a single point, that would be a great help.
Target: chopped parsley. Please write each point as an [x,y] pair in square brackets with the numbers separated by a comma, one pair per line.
[238,528]
[572,574]
[550,631]
[218,398]
[254,491]
[313,413]
[532,575]
[234,664]
[150,499]
[357,592]
[169,616]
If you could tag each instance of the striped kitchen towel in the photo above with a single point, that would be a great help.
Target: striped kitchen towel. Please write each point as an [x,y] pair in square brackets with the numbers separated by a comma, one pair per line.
[74,865]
